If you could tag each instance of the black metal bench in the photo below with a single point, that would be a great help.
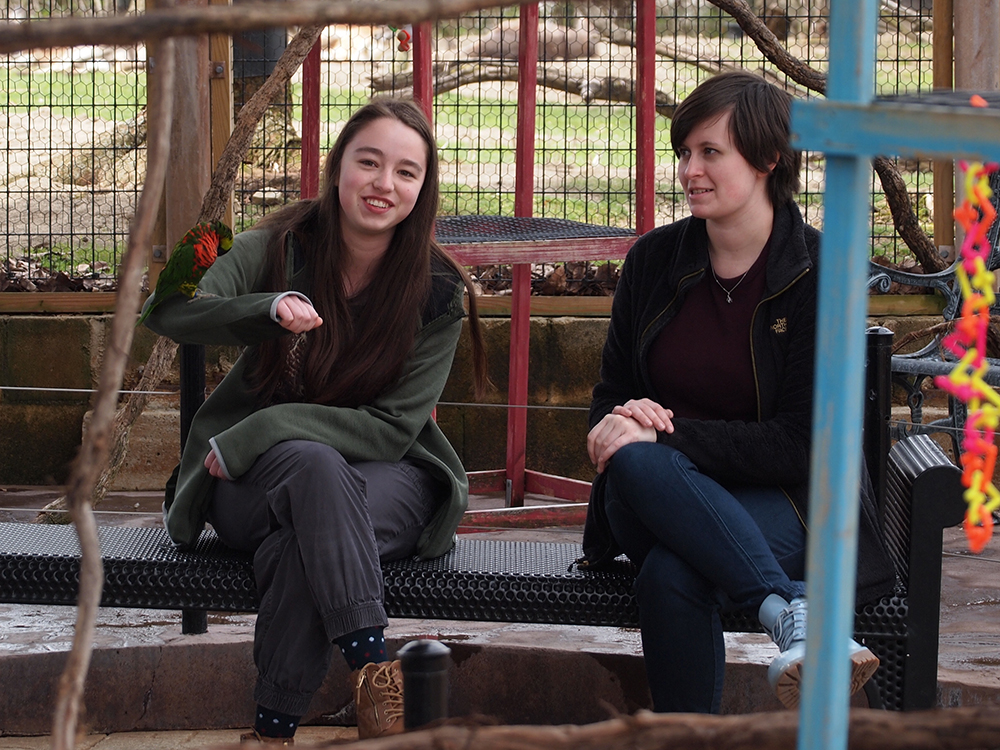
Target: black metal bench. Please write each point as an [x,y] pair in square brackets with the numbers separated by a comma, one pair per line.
[492,580]
[911,371]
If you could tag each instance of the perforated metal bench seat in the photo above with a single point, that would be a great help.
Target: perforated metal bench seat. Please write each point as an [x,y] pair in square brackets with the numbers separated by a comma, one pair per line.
[531,582]
[468,229]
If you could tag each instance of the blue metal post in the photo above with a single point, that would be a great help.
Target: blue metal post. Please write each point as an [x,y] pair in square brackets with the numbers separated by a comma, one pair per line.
[839,389]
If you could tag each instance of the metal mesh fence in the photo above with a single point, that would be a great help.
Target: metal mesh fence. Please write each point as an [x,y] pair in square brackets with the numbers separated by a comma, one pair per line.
[73,153]
[73,119]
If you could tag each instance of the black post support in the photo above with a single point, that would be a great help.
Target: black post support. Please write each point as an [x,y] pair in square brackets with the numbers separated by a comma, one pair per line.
[194,621]
[878,408]
[425,682]
[192,366]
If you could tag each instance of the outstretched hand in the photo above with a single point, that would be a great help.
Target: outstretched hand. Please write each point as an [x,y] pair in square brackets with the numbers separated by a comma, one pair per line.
[297,315]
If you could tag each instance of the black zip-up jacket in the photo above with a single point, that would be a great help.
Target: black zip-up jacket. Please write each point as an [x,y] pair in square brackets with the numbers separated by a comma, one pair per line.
[774,450]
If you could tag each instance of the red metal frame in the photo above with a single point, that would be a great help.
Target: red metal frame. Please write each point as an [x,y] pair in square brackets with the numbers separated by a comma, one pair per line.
[309,186]
[423,79]
[524,201]
[645,117]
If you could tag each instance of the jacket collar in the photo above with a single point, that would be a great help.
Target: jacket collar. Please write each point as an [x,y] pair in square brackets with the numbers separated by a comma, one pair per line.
[787,258]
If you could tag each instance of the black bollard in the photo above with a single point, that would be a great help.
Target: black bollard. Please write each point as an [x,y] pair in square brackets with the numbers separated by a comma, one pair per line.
[878,409]
[425,682]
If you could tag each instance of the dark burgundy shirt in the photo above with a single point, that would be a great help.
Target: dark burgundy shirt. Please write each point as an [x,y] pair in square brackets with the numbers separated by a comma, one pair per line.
[700,363]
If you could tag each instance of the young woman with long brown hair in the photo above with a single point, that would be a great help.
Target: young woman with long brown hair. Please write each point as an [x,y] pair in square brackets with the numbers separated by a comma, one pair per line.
[318,452]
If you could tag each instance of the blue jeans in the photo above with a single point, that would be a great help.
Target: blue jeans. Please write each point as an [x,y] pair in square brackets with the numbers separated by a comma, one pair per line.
[699,546]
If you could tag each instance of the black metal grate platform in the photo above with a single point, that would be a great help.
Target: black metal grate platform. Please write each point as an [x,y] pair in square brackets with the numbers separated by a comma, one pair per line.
[142,568]
[456,230]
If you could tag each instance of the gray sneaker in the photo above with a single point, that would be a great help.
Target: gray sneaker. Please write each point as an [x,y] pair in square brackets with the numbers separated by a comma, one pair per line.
[785,622]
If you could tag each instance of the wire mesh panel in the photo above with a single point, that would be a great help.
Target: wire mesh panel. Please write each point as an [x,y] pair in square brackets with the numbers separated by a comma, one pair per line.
[73,153]
[696,40]
[74,129]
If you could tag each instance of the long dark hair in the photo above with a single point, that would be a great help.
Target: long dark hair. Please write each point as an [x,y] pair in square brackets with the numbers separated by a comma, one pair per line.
[348,362]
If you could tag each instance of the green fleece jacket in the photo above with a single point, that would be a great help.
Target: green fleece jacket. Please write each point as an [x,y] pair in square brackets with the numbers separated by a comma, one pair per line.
[230,309]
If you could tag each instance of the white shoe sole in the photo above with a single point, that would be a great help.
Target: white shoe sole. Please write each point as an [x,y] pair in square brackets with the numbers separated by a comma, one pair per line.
[785,674]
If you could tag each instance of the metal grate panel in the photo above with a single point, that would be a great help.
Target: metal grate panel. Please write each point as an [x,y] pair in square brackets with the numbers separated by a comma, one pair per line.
[456,230]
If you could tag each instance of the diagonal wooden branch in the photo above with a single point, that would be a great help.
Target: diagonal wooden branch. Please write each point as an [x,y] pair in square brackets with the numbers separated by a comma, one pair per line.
[903,216]
[681,53]
[905,219]
[225,19]
[213,205]
[94,451]
[449,76]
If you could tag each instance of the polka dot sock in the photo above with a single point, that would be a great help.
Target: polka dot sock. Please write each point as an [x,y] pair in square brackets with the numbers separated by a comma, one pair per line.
[363,646]
[270,723]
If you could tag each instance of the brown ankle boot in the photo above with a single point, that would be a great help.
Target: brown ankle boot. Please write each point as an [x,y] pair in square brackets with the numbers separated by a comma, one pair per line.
[378,695]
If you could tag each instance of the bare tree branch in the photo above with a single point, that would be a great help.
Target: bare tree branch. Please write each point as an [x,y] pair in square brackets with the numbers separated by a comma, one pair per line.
[768,43]
[94,451]
[449,76]
[903,216]
[226,19]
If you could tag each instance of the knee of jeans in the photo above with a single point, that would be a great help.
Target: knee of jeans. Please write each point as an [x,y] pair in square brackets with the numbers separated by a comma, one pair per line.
[311,453]
[636,464]
[633,460]
[311,458]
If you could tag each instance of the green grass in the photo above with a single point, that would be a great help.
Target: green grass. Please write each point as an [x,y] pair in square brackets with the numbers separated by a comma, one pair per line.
[584,154]
[101,95]
[65,258]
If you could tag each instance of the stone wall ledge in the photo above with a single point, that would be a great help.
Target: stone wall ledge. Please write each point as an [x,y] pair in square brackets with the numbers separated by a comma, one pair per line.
[61,356]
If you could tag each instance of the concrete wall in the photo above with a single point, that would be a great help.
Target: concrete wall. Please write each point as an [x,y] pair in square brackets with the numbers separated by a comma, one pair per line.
[40,431]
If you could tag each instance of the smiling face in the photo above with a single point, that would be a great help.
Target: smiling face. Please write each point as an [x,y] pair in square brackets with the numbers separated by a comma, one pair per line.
[719,184]
[380,177]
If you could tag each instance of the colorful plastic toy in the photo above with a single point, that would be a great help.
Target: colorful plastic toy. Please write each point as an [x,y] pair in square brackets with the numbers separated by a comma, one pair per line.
[968,342]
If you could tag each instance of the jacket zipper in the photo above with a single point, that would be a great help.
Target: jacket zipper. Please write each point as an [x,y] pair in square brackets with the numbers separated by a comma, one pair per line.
[756,380]
[653,322]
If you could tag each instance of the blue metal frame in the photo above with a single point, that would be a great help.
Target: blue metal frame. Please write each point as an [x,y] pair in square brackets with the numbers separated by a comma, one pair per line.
[851,129]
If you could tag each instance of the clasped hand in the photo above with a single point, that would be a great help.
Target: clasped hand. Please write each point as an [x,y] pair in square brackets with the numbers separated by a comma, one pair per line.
[633,422]
[297,315]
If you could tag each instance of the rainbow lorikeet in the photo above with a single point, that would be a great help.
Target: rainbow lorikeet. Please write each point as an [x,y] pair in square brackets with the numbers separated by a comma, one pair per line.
[191,257]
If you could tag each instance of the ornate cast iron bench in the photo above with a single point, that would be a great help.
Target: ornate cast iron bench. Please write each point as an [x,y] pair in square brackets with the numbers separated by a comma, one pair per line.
[911,371]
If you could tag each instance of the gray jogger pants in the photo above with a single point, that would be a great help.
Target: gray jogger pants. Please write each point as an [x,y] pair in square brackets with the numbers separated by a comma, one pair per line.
[318,528]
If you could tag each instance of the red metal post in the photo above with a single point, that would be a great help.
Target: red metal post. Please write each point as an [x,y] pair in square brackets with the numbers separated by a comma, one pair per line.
[645,116]
[423,78]
[310,123]
[524,194]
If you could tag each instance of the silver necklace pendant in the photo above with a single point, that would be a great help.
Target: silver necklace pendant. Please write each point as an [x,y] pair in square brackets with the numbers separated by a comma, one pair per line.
[729,292]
